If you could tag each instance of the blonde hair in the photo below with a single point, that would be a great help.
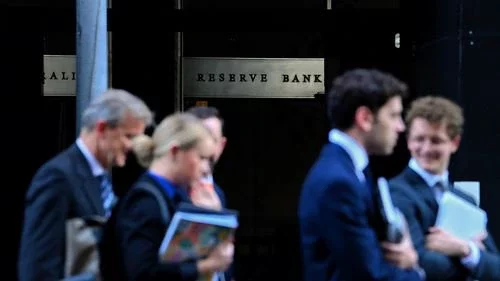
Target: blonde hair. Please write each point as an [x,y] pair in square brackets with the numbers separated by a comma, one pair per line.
[181,129]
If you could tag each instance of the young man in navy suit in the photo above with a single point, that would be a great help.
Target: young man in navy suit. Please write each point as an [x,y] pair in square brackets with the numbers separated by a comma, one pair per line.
[340,224]
[434,133]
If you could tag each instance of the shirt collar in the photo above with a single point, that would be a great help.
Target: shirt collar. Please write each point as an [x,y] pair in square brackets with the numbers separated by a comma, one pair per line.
[95,166]
[430,179]
[171,189]
[351,146]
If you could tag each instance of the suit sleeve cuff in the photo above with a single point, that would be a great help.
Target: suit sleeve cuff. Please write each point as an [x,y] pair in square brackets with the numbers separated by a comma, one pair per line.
[472,260]
[421,272]
[189,270]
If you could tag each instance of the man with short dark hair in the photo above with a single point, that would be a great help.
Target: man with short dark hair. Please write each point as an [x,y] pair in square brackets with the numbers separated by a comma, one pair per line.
[435,126]
[214,122]
[212,119]
[340,221]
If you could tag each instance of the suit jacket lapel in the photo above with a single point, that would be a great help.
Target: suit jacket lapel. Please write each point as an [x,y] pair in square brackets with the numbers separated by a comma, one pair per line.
[335,150]
[91,188]
[90,185]
[421,187]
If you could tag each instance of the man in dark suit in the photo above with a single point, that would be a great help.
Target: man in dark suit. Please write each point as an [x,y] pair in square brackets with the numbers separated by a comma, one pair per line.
[214,122]
[212,119]
[340,223]
[434,132]
[75,183]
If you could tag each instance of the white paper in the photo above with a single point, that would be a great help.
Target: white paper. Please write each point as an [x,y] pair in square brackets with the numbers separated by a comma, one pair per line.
[471,188]
[388,207]
[459,217]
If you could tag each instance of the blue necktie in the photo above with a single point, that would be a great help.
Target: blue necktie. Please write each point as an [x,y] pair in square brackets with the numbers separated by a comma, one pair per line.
[439,189]
[107,195]
[441,186]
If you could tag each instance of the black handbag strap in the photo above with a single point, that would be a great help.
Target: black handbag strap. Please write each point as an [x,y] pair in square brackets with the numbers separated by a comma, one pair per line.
[150,188]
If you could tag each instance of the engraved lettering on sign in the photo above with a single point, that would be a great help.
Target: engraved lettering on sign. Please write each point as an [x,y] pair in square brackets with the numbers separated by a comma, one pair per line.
[59,76]
[252,77]
[259,78]
[231,77]
[301,78]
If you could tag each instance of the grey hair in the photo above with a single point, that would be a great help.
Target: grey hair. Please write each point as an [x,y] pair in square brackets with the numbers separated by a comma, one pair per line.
[112,106]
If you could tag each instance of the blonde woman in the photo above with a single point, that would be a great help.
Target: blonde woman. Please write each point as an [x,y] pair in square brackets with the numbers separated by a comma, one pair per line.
[175,156]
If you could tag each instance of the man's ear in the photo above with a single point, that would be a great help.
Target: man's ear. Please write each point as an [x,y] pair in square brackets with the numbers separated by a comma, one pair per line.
[223,142]
[456,143]
[100,127]
[364,118]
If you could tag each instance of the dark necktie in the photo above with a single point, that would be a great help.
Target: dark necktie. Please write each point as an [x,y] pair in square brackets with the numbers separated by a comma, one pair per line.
[107,195]
[440,186]
[368,177]
[439,189]
[369,181]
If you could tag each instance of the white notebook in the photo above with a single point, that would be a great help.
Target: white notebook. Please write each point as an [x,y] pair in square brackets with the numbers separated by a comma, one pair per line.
[459,217]
[471,188]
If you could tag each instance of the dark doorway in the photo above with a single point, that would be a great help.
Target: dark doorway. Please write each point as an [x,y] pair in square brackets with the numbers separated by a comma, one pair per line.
[271,145]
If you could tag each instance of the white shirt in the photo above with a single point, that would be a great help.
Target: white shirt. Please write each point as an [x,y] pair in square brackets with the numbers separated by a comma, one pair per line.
[95,166]
[430,179]
[357,153]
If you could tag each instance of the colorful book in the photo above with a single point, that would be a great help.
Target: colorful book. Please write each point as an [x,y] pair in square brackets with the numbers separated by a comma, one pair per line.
[194,232]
